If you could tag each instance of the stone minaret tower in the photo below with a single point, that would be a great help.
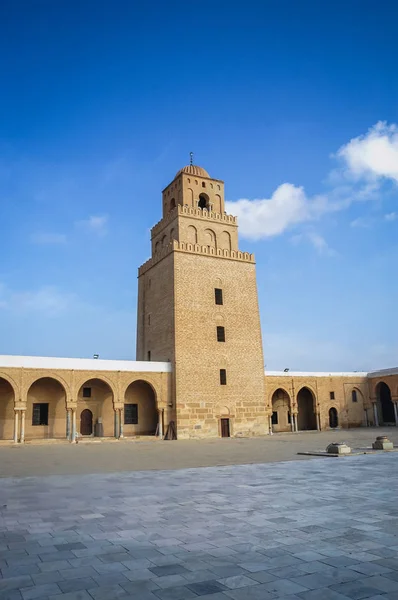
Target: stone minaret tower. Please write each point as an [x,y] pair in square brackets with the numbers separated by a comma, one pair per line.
[198,308]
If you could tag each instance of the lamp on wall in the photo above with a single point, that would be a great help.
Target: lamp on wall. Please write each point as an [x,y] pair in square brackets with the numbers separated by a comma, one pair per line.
[96,356]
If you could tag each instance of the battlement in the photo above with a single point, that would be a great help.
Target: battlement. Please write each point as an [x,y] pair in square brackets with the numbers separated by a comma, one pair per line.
[196,213]
[174,245]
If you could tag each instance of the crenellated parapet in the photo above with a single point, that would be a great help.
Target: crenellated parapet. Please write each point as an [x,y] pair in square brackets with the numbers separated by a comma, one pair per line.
[176,246]
[195,213]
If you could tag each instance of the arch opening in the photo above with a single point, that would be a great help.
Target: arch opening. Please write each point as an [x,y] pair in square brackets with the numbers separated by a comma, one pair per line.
[333,418]
[281,419]
[385,404]
[203,201]
[172,204]
[140,409]
[7,399]
[96,397]
[46,409]
[306,418]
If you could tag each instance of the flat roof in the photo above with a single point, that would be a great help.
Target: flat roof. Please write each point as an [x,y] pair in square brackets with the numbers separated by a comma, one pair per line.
[83,364]
[383,372]
[315,374]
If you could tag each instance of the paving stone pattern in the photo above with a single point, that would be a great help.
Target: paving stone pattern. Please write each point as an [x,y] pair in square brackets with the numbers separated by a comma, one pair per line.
[322,529]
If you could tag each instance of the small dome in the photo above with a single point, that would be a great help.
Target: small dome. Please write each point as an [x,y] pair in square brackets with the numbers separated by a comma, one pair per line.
[194,170]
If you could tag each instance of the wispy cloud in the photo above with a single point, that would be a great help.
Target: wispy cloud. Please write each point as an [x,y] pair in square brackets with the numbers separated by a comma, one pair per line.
[317,241]
[365,162]
[393,216]
[46,299]
[97,224]
[48,238]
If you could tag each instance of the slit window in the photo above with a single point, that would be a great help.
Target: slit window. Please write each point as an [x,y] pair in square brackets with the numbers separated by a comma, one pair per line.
[354,396]
[331,395]
[223,377]
[40,414]
[218,296]
[131,414]
[274,418]
[87,392]
[220,334]
[149,355]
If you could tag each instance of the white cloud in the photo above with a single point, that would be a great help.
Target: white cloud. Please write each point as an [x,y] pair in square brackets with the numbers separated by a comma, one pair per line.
[97,224]
[366,160]
[373,155]
[46,299]
[288,205]
[48,238]
[393,216]
[362,222]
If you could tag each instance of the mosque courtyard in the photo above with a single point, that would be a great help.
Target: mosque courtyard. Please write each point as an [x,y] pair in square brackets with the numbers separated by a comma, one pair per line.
[74,528]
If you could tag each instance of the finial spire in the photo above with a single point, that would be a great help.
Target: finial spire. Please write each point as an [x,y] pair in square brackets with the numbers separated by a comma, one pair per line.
[191,158]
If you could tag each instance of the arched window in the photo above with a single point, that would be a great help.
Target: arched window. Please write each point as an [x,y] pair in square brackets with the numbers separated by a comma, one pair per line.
[333,418]
[172,203]
[354,396]
[203,201]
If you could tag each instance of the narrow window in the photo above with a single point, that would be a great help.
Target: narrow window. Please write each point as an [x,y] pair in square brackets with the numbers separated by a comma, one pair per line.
[331,394]
[289,418]
[354,396]
[131,414]
[203,184]
[40,414]
[218,296]
[149,355]
[220,334]
[86,392]
[274,418]
[223,377]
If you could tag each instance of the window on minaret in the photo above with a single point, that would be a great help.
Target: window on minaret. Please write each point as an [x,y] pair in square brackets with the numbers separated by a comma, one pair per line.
[203,201]
[220,334]
[172,203]
[223,377]
[218,296]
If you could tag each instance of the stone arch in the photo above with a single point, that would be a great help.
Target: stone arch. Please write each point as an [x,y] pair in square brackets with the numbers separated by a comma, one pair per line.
[97,395]
[385,404]
[281,410]
[225,241]
[210,239]
[333,417]
[217,203]
[203,201]
[164,241]
[157,247]
[11,381]
[172,234]
[172,204]
[140,408]
[46,400]
[190,196]
[306,418]
[7,403]
[192,234]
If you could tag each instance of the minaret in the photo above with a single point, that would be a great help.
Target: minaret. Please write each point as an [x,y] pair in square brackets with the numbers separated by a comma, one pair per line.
[198,308]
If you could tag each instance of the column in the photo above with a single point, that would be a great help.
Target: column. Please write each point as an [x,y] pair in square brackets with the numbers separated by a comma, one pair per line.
[23,426]
[68,423]
[160,422]
[121,422]
[292,421]
[318,421]
[375,415]
[16,423]
[295,423]
[270,425]
[396,414]
[73,440]
[116,423]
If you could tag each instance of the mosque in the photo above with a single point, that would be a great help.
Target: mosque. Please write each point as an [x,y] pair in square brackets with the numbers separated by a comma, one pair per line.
[200,367]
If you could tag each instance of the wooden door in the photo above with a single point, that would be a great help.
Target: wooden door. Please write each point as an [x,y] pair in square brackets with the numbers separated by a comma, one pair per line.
[86,422]
[225,428]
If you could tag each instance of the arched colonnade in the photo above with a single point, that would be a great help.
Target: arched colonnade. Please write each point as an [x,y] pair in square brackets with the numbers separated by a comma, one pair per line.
[47,408]
[298,412]
[384,400]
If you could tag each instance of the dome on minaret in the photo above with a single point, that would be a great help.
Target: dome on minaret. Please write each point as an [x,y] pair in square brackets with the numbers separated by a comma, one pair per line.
[194,170]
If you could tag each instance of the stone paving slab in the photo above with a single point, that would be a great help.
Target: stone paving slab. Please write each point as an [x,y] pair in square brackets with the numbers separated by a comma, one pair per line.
[310,530]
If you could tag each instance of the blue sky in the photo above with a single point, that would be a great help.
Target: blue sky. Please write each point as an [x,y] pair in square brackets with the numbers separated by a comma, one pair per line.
[293,104]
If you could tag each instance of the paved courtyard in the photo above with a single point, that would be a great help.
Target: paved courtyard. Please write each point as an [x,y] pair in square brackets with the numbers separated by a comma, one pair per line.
[316,529]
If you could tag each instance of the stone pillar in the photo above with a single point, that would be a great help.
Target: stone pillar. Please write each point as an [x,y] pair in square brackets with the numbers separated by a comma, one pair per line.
[375,415]
[160,422]
[121,422]
[292,422]
[23,426]
[73,439]
[396,414]
[117,432]
[318,421]
[68,423]
[16,426]
[270,425]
